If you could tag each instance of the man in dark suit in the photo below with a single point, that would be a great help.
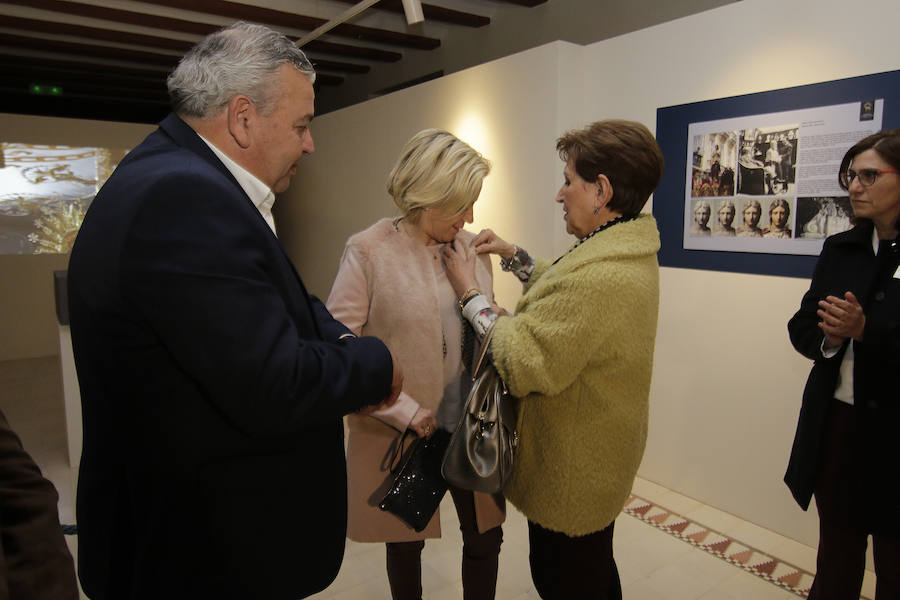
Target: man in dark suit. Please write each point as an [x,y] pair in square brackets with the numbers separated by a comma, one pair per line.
[212,383]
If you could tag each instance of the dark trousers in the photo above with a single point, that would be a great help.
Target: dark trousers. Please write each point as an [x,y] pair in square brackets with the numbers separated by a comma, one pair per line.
[573,568]
[481,553]
[843,536]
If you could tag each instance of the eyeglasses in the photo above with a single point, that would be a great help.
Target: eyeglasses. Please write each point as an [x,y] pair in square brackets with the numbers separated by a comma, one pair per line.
[867,177]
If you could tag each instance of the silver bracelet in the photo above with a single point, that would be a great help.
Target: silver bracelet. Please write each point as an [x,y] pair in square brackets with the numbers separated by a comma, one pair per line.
[508,264]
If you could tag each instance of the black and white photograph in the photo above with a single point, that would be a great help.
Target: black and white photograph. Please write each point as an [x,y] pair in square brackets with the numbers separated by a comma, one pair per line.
[725,213]
[779,221]
[700,224]
[751,213]
[821,216]
[763,218]
[767,163]
[713,163]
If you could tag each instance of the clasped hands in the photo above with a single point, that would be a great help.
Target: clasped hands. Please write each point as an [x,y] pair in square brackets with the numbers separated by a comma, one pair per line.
[842,318]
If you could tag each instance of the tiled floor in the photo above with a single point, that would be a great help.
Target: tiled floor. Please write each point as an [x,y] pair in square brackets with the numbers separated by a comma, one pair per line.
[653,563]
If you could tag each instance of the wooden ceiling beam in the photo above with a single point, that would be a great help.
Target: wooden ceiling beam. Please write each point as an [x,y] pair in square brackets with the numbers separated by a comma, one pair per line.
[269,16]
[139,56]
[116,15]
[96,33]
[330,65]
[434,13]
[528,3]
[81,49]
[361,52]
[192,27]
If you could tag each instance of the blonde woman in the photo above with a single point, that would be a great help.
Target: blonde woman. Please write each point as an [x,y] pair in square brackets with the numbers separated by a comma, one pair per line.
[391,284]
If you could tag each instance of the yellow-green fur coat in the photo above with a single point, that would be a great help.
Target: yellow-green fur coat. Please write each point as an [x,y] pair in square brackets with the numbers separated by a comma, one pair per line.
[578,354]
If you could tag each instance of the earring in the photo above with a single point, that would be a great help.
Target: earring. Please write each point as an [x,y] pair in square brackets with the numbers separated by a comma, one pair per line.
[596,210]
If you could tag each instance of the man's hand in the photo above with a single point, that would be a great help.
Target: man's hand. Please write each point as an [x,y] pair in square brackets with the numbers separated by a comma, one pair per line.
[396,387]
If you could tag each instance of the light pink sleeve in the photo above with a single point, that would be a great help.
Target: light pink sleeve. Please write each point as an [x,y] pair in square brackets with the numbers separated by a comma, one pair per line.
[348,302]
[400,414]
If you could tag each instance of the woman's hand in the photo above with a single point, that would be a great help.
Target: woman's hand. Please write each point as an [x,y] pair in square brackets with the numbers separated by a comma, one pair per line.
[842,318]
[499,309]
[489,242]
[459,261]
[423,423]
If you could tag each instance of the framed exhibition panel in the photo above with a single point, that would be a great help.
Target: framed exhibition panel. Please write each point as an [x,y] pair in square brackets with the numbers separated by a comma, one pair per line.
[751,182]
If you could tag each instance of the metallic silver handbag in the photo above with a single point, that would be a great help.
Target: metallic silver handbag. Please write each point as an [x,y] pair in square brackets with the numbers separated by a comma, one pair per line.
[482,449]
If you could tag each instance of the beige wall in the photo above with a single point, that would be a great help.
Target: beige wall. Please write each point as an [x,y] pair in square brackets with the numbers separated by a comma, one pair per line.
[28,321]
[27,310]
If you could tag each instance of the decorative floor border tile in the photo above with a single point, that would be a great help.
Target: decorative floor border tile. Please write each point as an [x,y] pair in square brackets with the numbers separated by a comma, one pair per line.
[774,570]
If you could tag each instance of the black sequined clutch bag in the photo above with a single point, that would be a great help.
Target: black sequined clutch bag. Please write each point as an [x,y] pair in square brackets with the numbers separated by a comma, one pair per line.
[418,486]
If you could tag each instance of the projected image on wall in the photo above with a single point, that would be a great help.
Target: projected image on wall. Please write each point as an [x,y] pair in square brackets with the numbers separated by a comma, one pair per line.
[45,191]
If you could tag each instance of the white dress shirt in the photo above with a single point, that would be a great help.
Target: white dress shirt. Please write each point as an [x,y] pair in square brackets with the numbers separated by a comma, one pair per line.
[260,194]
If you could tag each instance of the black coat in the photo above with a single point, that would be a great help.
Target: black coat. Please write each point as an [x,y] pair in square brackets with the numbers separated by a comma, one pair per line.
[213,387]
[848,263]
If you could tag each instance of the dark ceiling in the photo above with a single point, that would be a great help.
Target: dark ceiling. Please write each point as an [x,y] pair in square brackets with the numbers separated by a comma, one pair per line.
[109,60]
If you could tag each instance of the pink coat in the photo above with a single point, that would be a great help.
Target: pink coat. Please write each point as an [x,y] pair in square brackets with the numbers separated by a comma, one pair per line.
[386,287]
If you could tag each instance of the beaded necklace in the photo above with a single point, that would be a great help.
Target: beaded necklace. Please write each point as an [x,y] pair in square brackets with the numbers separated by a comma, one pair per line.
[607,225]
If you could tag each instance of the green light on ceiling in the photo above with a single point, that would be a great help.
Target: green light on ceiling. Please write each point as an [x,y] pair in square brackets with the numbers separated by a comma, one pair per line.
[45,90]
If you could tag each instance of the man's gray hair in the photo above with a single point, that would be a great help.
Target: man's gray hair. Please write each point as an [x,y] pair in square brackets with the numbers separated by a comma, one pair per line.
[240,59]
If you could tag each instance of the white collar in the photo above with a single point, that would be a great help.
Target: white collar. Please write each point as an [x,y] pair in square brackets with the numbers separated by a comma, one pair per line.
[259,193]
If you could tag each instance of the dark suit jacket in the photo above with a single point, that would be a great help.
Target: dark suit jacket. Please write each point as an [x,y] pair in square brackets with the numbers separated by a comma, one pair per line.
[847,263]
[35,563]
[212,386]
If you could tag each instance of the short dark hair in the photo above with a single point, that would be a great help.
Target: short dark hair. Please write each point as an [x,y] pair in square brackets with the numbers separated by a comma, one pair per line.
[886,143]
[625,151]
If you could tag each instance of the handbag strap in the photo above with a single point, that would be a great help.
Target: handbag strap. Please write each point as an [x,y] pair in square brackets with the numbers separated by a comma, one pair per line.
[398,452]
[485,344]
[483,359]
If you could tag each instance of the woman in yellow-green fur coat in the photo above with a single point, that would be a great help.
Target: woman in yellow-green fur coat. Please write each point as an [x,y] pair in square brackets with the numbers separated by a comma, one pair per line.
[578,354]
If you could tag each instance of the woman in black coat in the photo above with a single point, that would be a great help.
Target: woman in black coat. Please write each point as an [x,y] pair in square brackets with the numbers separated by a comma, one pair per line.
[845,449]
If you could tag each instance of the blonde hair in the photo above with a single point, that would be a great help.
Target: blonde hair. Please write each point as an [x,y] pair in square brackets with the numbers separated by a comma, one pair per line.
[436,170]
